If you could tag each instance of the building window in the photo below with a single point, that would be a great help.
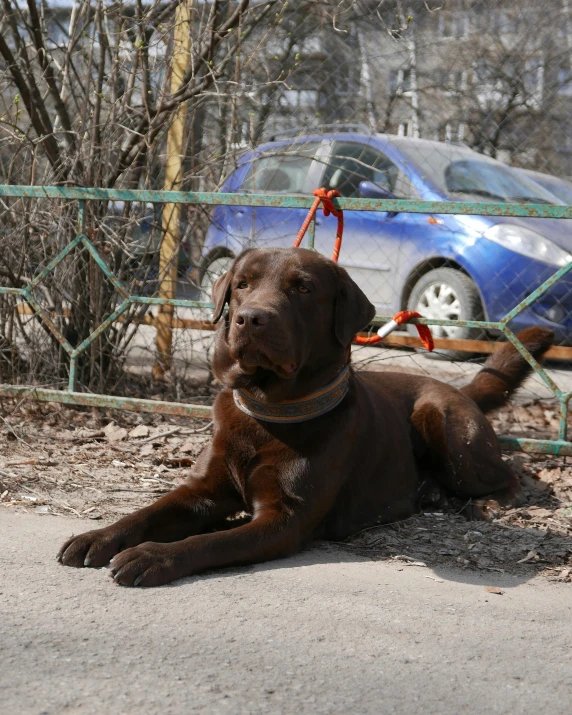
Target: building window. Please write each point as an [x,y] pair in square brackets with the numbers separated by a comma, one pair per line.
[453,25]
[294,99]
[564,82]
[459,80]
[450,82]
[452,132]
[405,129]
[400,81]
[505,23]
[533,79]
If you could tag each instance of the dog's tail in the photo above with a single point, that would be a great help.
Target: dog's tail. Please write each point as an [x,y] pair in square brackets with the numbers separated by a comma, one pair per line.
[505,370]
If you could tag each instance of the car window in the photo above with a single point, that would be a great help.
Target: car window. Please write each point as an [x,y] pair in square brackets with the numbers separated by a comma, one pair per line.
[463,173]
[282,170]
[560,189]
[351,163]
[477,177]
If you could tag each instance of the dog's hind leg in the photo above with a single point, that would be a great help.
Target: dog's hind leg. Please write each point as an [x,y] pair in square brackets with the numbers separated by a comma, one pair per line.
[463,442]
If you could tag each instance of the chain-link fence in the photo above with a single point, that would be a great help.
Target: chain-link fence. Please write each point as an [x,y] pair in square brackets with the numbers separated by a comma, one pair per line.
[441,102]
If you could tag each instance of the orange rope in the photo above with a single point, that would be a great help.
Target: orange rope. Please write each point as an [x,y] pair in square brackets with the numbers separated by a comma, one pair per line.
[398,319]
[324,197]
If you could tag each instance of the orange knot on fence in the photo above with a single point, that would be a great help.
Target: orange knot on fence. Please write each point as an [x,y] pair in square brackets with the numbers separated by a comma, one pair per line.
[324,197]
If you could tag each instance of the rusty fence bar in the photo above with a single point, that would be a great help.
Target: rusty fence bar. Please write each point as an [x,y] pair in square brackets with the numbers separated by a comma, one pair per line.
[560,446]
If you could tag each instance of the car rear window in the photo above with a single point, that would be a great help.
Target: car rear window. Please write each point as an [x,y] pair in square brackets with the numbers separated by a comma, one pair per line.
[282,170]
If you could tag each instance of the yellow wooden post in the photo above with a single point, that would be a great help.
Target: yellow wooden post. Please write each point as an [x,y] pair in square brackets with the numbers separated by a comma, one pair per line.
[169,255]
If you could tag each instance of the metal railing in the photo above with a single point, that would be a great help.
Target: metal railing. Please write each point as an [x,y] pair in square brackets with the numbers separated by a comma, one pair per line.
[560,446]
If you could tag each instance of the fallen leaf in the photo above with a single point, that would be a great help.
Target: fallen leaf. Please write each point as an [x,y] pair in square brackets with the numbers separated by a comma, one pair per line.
[539,511]
[139,431]
[531,555]
[113,433]
[494,589]
[190,445]
[146,450]
[549,475]
[408,561]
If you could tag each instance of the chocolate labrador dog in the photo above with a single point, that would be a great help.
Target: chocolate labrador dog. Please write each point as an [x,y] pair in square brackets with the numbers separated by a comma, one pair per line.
[302,443]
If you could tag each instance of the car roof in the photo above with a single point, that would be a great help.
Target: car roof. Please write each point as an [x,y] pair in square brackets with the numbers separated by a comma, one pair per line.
[382,141]
[357,136]
[540,175]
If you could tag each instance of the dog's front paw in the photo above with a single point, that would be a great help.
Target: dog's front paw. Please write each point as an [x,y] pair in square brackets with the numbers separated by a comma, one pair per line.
[94,548]
[148,564]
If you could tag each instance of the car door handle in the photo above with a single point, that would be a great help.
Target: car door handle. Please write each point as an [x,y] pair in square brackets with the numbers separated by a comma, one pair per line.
[318,222]
[240,212]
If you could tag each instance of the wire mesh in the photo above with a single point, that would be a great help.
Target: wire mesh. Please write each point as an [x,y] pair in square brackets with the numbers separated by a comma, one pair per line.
[396,103]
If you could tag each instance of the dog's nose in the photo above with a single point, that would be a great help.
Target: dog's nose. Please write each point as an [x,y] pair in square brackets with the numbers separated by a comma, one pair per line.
[253,318]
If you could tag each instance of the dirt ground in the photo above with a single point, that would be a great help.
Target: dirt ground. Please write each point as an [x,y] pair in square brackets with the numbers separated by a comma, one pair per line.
[102,465]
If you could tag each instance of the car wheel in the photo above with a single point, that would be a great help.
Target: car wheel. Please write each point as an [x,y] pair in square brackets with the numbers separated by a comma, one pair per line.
[447,294]
[213,270]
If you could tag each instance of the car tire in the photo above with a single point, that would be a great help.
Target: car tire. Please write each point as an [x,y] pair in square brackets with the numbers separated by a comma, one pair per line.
[447,293]
[214,267]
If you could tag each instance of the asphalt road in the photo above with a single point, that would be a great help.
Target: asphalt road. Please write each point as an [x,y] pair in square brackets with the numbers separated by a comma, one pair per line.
[323,632]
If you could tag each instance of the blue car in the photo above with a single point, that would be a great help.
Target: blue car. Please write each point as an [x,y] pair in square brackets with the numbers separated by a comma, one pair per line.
[444,266]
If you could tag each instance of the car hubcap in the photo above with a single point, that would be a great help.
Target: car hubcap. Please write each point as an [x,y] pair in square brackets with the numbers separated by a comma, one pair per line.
[440,301]
[214,271]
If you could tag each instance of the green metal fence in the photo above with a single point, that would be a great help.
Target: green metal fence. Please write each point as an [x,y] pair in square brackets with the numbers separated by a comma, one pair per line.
[560,446]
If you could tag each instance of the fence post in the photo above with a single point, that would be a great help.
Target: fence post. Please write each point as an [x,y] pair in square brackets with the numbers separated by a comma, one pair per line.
[72,380]
[169,254]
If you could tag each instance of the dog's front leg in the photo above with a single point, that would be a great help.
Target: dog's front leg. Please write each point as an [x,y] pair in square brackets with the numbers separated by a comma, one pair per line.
[266,537]
[208,496]
[280,524]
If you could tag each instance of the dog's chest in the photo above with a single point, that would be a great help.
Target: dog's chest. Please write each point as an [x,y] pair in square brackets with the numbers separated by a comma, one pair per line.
[245,446]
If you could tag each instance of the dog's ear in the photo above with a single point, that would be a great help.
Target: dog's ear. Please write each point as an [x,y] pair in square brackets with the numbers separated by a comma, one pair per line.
[221,294]
[353,311]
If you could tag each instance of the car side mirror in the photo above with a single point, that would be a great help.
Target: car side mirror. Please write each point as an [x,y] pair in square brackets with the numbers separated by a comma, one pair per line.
[369,190]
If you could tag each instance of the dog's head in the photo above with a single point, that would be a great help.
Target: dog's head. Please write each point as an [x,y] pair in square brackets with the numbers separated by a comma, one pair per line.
[291,318]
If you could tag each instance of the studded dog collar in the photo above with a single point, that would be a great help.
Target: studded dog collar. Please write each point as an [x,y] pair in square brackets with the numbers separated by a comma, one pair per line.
[292,411]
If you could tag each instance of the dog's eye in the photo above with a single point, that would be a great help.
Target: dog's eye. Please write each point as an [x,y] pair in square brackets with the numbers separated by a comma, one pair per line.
[303,289]
[243,284]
